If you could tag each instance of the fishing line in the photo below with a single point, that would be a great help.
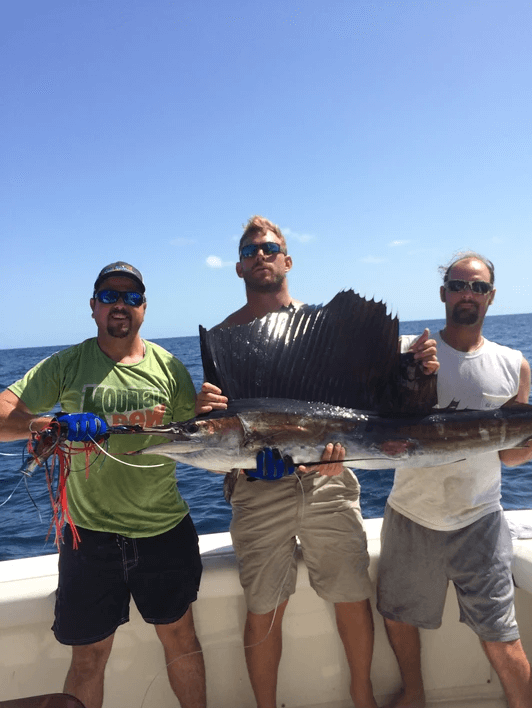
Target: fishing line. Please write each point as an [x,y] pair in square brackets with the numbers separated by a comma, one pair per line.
[96,460]
[12,454]
[246,646]
[162,464]
[25,478]
[283,581]
[14,490]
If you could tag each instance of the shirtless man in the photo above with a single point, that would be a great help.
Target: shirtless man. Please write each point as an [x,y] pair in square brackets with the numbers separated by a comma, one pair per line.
[333,543]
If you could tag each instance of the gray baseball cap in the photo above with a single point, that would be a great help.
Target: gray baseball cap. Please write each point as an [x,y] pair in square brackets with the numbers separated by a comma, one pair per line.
[119,268]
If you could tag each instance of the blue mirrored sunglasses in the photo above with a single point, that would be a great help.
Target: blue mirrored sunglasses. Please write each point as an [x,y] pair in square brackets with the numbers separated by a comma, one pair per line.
[480,287]
[268,248]
[109,297]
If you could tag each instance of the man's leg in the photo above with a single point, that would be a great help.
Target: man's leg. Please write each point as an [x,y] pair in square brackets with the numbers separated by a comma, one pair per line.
[184,661]
[512,667]
[406,644]
[485,591]
[355,626]
[263,644]
[84,679]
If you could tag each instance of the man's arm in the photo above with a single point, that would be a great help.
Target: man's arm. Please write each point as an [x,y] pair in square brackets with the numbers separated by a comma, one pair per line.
[15,418]
[17,422]
[518,455]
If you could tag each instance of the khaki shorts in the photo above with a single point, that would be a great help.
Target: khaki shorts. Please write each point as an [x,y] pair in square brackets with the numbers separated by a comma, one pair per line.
[324,514]
[417,563]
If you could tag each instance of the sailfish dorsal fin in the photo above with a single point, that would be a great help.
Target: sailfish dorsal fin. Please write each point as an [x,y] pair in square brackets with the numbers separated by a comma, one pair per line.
[344,353]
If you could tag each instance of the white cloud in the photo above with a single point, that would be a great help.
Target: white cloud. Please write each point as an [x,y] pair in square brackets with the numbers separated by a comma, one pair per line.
[302,238]
[398,243]
[373,259]
[216,262]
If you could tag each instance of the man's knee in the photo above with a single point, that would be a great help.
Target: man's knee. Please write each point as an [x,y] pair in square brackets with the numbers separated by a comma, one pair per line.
[91,658]
[178,633]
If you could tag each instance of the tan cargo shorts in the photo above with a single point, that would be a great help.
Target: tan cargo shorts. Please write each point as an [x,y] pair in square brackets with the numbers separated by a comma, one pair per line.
[323,513]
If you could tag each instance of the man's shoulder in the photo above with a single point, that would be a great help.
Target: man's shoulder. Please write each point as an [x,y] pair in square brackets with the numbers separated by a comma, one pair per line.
[85,344]
[72,352]
[501,349]
[159,351]
[61,365]
[156,347]
[239,317]
[163,356]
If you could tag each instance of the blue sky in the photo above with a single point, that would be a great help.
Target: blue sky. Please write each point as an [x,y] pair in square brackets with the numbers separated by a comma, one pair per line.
[381,136]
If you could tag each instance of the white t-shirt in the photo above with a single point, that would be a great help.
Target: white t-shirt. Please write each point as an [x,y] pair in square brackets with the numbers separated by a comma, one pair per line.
[449,497]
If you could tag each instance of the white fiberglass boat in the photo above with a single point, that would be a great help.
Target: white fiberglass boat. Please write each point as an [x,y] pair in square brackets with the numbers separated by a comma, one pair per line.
[313,671]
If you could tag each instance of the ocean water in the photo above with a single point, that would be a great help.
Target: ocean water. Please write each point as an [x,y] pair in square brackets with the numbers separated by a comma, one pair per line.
[25,512]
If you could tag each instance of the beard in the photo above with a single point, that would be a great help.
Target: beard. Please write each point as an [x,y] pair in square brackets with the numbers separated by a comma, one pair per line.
[120,329]
[273,286]
[467,316]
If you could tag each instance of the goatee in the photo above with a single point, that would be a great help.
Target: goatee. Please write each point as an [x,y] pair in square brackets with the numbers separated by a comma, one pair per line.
[468,316]
[120,329]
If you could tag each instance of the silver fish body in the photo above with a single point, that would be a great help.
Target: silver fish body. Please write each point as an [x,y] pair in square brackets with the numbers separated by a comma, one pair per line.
[231,439]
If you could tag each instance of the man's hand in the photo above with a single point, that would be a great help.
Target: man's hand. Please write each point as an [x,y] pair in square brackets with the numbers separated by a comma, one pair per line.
[82,426]
[271,465]
[424,349]
[332,454]
[209,399]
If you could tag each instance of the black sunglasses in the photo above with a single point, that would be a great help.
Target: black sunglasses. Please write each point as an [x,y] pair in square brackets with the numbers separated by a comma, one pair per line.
[268,248]
[480,287]
[109,297]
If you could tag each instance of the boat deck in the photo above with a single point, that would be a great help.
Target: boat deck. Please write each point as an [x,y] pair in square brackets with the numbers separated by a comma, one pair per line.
[313,672]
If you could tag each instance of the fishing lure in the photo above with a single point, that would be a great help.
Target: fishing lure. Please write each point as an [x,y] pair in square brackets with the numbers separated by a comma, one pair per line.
[49,448]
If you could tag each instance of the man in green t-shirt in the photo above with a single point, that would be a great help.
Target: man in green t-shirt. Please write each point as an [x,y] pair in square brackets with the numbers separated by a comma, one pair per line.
[132,522]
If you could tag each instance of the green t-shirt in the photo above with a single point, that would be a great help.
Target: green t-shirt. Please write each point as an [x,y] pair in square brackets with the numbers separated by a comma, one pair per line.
[132,501]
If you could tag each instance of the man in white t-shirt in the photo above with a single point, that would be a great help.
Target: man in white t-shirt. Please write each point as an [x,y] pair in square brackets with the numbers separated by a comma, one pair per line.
[446,523]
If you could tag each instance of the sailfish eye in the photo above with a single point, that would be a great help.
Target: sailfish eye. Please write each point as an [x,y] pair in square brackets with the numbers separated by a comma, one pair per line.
[192,428]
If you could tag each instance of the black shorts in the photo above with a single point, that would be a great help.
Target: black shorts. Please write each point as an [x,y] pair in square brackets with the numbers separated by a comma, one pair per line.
[162,573]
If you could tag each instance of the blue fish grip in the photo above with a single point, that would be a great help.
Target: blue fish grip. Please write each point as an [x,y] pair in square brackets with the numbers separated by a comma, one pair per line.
[271,465]
[80,427]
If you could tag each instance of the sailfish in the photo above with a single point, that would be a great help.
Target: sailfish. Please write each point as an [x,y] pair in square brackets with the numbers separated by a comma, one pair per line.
[300,378]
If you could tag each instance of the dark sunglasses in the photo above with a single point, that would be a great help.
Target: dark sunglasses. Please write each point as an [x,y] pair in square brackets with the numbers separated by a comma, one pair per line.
[109,297]
[480,287]
[268,248]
